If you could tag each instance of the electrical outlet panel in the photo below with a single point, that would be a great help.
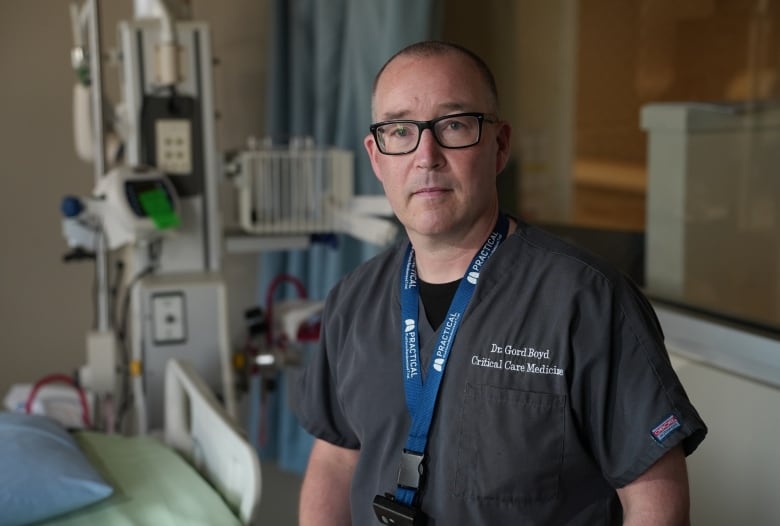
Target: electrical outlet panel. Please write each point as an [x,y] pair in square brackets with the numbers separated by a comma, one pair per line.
[168,318]
[174,146]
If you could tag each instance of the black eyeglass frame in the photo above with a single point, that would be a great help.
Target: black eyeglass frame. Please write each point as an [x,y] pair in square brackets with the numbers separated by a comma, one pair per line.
[429,125]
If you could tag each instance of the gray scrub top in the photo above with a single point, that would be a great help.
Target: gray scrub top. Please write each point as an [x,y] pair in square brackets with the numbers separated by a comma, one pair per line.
[558,389]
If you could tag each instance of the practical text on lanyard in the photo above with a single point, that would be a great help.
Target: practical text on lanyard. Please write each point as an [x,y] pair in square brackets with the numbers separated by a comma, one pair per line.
[421,397]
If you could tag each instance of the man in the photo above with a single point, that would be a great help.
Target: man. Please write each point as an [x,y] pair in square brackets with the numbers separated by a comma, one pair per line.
[559,404]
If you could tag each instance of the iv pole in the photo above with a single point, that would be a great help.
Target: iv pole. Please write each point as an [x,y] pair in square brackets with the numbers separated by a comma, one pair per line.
[98,127]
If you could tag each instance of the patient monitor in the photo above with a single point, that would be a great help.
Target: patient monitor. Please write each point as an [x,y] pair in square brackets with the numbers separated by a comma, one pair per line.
[129,205]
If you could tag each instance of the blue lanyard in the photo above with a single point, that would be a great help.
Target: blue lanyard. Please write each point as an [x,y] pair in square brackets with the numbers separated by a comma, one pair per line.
[421,397]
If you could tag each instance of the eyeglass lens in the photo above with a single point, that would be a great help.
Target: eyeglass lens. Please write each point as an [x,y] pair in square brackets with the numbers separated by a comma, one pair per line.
[457,131]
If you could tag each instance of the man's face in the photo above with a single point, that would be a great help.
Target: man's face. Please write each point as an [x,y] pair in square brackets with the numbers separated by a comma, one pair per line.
[435,191]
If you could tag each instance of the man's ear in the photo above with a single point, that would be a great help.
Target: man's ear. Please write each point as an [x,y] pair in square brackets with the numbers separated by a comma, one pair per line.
[503,141]
[370,144]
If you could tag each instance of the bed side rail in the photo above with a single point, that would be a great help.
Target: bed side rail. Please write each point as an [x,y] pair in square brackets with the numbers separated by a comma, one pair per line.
[199,428]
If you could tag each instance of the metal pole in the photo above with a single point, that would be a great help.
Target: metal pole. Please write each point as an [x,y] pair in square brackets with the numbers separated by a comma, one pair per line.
[98,135]
[96,83]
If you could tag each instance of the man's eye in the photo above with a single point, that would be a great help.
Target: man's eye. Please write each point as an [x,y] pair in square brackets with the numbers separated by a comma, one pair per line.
[454,125]
[399,131]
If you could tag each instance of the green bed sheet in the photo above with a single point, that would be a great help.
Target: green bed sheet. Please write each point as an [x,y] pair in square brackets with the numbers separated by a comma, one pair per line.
[153,486]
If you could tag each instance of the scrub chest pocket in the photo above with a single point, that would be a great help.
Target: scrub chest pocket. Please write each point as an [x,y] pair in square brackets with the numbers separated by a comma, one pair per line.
[510,445]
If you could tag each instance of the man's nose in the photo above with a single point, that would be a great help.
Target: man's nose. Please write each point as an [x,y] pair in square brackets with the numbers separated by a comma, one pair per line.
[428,150]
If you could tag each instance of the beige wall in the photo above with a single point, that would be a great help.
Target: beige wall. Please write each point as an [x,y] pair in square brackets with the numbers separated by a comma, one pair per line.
[735,473]
[46,305]
[530,46]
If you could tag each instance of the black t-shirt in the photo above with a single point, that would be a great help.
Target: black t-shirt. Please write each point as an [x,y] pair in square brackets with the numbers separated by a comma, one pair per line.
[558,389]
[436,299]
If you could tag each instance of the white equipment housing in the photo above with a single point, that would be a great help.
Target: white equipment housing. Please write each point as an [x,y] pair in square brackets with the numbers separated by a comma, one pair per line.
[118,201]
[181,316]
[198,245]
[180,311]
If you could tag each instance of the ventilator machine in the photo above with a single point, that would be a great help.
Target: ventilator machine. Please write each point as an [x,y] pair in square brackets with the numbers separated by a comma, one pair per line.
[153,225]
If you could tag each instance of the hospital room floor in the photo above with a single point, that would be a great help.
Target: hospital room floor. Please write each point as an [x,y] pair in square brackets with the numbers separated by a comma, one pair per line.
[279,503]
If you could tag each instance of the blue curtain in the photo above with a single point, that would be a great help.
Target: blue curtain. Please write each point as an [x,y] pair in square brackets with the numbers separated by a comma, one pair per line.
[324,55]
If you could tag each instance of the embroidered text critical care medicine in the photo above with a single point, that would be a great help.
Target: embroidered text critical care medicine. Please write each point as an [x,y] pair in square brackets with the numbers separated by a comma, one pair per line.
[508,365]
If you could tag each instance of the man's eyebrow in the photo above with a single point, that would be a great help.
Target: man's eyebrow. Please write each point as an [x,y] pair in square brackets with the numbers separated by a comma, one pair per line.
[395,115]
[454,106]
[445,108]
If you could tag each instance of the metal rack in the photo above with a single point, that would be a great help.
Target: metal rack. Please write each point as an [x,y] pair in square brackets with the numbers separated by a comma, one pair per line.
[295,190]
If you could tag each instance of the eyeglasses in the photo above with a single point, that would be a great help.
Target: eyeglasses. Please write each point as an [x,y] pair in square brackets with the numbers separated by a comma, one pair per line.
[460,130]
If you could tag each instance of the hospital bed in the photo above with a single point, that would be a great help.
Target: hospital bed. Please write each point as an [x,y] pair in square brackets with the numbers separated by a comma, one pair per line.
[201,471]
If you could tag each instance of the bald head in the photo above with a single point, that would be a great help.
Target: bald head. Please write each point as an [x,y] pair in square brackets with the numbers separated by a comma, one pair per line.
[432,49]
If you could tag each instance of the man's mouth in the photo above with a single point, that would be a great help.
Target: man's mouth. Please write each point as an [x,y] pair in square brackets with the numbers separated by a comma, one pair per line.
[430,191]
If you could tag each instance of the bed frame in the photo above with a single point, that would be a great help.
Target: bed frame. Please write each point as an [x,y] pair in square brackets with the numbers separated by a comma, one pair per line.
[199,428]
